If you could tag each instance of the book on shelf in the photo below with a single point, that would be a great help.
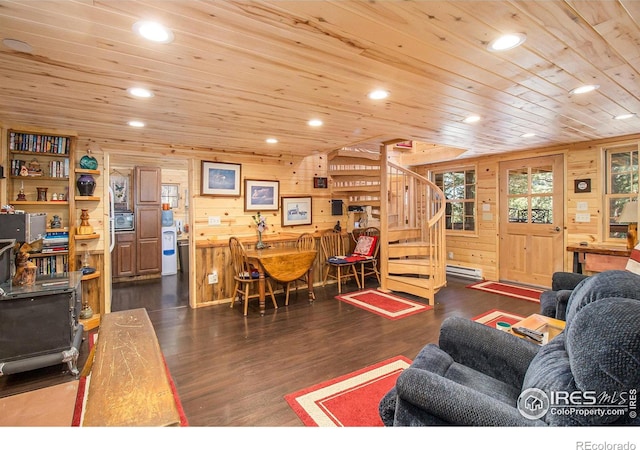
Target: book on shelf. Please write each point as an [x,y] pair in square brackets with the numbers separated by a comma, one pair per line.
[38,143]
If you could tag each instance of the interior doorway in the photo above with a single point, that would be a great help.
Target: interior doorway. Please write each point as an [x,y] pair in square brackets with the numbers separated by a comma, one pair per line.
[172,288]
[531,219]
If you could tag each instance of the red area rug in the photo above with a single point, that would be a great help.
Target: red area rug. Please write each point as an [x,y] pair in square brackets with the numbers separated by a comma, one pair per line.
[384,304]
[510,290]
[490,318]
[350,400]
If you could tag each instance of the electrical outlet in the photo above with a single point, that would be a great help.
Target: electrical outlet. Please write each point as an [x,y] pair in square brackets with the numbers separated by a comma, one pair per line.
[450,255]
[214,220]
[213,277]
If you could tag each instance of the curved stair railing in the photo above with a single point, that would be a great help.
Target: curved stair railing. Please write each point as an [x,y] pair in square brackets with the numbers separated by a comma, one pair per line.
[412,248]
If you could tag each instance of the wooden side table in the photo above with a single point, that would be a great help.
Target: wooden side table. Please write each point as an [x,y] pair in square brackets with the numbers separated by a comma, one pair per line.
[549,326]
[598,258]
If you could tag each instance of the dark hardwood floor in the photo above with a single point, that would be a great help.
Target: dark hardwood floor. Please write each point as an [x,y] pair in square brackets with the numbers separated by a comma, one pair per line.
[232,370]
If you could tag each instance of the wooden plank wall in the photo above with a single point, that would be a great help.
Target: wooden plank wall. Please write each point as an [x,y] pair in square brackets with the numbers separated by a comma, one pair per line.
[583,160]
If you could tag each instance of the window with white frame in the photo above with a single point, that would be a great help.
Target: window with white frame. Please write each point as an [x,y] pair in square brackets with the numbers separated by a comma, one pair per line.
[621,186]
[459,187]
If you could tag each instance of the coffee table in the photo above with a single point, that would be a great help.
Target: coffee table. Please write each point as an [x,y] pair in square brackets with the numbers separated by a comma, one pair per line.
[548,326]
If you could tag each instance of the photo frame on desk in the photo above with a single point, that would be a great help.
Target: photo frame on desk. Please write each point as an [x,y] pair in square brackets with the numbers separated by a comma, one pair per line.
[260,195]
[220,179]
[296,211]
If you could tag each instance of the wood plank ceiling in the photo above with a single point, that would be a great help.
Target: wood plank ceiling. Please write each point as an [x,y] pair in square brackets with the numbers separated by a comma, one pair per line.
[239,72]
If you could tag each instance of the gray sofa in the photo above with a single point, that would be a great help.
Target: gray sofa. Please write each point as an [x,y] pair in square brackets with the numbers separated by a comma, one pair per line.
[480,376]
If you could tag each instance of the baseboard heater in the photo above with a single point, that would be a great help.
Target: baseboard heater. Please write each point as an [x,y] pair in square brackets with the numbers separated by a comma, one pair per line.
[466,272]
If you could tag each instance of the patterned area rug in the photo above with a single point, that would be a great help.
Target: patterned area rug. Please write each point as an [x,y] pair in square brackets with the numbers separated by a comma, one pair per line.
[350,400]
[384,304]
[510,290]
[490,318]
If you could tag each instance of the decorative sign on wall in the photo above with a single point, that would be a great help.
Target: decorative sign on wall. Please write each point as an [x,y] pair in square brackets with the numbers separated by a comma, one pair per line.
[583,185]
[320,182]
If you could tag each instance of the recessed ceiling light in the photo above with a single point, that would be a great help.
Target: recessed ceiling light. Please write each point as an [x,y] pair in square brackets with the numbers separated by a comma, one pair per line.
[625,116]
[527,135]
[153,31]
[378,94]
[19,46]
[140,92]
[471,119]
[506,42]
[584,89]
[271,141]
[315,123]
[136,123]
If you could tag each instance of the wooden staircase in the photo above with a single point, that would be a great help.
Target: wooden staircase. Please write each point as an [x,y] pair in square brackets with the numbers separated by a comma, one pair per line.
[410,216]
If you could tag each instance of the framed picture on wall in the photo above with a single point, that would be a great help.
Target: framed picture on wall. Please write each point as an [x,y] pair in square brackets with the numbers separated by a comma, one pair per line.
[296,211]
[261,195]
[220,179]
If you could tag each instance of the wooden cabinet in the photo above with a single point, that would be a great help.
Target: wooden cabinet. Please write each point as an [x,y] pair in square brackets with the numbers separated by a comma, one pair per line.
[148,185]
[148,240]
[123,263]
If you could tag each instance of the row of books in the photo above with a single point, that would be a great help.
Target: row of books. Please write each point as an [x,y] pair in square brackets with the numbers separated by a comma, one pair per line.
[57,168]
[39,143]
[55,241]
[52,264]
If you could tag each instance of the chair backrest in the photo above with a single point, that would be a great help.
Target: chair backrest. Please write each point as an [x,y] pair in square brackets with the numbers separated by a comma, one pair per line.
[369,231]
[306,241]
[238,258]
[332,243]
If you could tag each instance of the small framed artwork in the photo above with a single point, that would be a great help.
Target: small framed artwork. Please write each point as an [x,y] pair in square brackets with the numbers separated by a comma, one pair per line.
[583,185]
[296,211]
[220,179]
[261,195]
[320,182]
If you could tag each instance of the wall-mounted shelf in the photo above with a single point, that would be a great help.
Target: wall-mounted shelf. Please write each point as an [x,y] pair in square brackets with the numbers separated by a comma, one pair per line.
[35,202]
[87,171]
[91,276]
[86,237]
[85,198]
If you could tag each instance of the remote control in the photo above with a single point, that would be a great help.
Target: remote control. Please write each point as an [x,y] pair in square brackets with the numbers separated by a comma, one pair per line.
[532,334]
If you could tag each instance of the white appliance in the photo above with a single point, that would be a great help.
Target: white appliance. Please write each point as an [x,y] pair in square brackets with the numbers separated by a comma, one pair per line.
[169,251]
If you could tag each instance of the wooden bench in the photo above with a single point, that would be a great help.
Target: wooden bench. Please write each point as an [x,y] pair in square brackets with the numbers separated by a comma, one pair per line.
[129,384]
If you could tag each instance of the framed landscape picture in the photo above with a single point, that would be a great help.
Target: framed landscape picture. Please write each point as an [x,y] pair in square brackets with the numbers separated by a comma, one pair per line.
[261,195]
[220,179]
[296,211]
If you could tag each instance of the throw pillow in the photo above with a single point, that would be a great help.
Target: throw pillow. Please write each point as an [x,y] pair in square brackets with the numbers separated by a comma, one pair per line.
[633,265]
[366,245]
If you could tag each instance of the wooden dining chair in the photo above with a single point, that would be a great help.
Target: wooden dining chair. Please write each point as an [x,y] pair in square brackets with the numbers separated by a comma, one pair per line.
[335,250]
[306,241]
[245,276]
[368,247]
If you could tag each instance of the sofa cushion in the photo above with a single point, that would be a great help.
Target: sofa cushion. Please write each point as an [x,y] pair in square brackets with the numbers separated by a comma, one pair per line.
[612,283]
[604,347]
[437,361]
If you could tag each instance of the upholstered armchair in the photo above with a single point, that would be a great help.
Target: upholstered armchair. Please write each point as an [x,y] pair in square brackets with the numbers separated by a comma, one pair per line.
[553,303]
[480,376]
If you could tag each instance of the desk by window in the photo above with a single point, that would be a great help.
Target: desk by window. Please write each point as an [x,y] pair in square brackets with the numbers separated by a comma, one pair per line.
[598,257]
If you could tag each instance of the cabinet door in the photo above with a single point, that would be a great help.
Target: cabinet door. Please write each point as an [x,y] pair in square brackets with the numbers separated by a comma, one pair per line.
[148,185]
[149,240]
[124,261]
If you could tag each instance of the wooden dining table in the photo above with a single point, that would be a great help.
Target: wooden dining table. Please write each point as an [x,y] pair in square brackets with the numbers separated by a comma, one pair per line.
[284,265]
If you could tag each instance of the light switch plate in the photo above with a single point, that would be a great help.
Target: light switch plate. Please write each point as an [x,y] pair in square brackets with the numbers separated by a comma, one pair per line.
[583,217]
[214,220]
